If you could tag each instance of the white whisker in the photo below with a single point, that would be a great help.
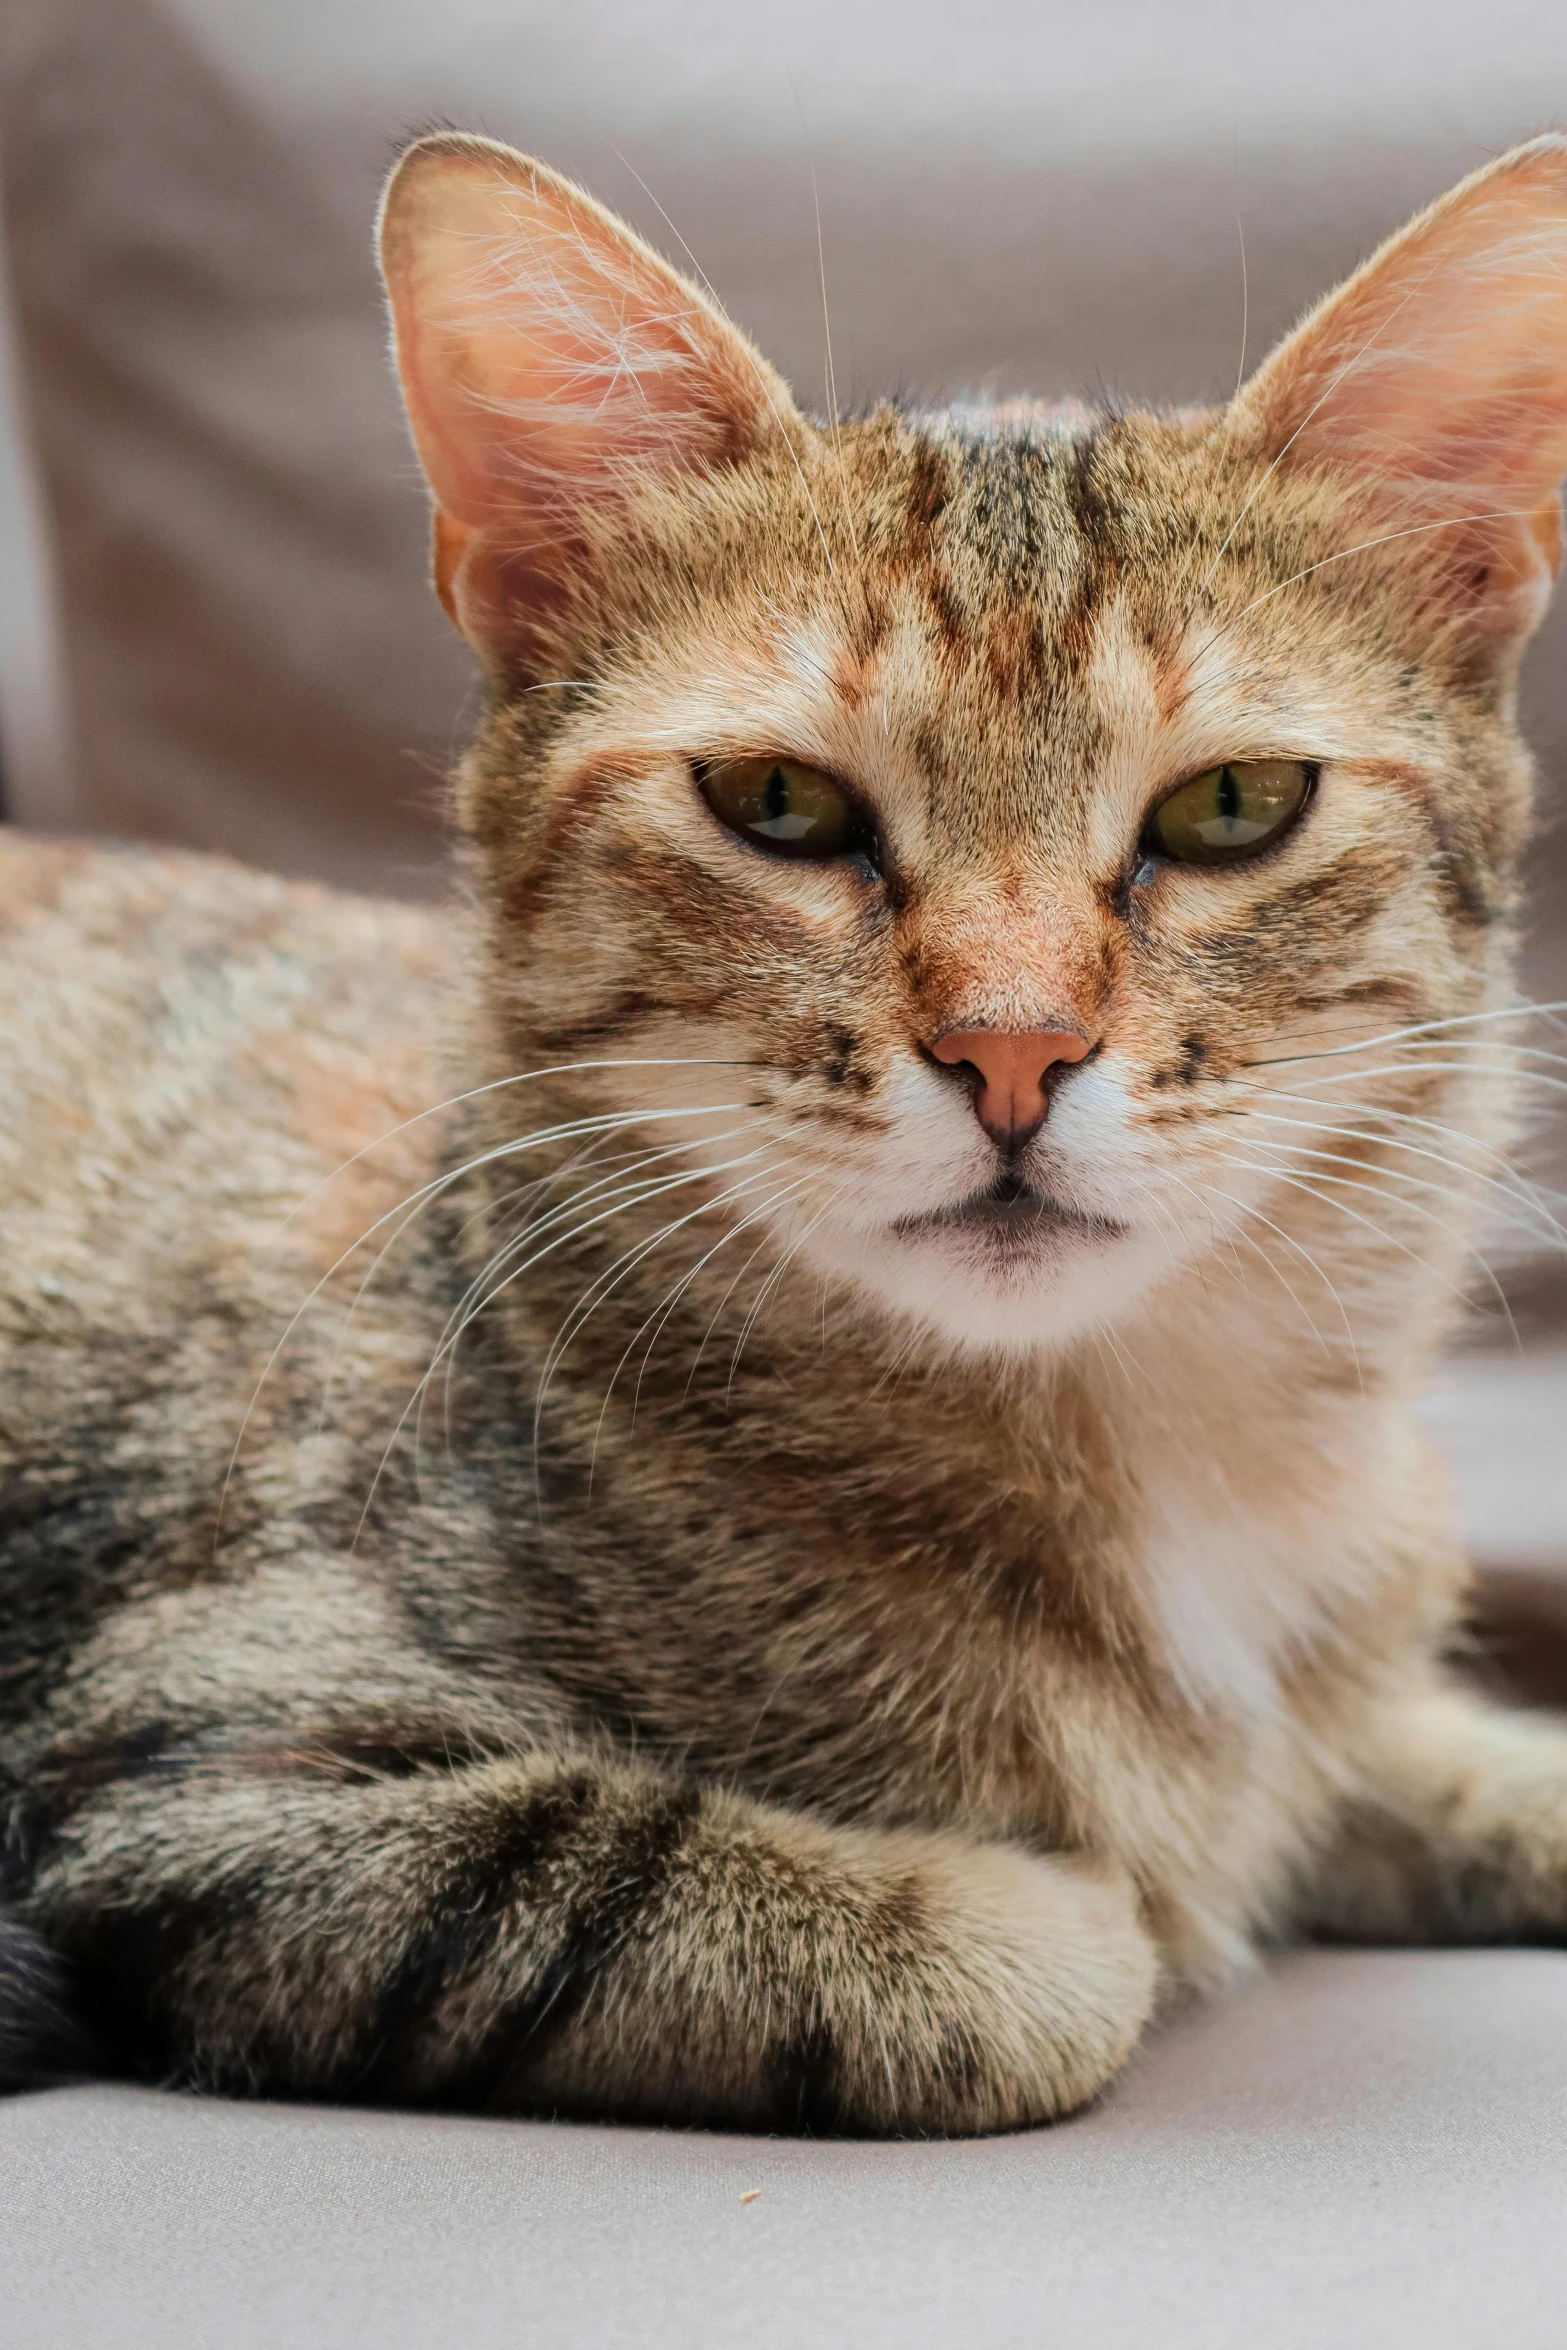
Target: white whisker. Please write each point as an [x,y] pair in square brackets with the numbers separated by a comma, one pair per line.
[655,1190]
[771,1283]
[668,1304]
[1299,1182]
[630,1182]
[1521,1197]
[613,1275]
[1290,1242]
[1400,1200]
[1420,1029]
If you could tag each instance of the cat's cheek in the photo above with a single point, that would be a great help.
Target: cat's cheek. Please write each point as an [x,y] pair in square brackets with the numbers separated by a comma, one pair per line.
[1114,1147]
[927,1151]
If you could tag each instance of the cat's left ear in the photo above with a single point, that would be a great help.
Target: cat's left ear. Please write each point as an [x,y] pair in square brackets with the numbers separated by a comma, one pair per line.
[550,362]
[1435,381]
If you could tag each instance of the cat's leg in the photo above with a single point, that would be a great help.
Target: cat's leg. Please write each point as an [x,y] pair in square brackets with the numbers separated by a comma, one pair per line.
[583,1935]
[1457,1831]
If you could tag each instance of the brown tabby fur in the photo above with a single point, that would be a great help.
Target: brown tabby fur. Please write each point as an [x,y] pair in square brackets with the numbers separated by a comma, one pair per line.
[780,1695]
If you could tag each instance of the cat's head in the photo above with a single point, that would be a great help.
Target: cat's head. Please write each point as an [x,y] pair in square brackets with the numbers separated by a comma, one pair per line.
[996,833]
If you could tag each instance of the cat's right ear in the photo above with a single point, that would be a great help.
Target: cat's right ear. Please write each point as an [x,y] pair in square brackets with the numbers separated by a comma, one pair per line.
[549,360]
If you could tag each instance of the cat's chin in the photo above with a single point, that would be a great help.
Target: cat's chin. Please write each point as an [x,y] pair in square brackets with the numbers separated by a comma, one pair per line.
[991,1275]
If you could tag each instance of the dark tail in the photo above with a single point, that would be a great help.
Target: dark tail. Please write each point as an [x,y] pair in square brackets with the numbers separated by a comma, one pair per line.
[38,2041]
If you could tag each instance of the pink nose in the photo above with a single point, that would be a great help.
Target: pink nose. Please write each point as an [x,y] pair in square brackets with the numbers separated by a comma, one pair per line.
[1010,1100]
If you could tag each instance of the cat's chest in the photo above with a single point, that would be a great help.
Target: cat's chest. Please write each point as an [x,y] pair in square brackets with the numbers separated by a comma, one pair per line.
[1206,1758]
[1234,1597]
[1200,1738]
[1245,1585]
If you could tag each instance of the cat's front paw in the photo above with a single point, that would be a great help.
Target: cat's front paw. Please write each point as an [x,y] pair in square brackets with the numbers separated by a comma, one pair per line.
[1457,1833]
[1010,1992]
[797,1976]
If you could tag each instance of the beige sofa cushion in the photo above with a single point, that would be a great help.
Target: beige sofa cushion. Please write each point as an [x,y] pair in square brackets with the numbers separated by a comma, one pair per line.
[1364,2150]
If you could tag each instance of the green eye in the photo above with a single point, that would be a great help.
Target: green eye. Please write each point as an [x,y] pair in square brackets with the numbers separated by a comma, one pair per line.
[784,806]
[1229,812]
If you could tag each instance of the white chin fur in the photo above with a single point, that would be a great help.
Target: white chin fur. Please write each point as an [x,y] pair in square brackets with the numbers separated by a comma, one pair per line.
[983,1294]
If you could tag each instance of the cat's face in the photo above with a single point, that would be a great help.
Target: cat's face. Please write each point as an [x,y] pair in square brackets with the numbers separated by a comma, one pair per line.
[965,830]
[982,712]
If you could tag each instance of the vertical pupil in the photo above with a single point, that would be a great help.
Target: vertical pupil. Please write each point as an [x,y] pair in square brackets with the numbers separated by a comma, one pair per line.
[775,795]
[1229,795]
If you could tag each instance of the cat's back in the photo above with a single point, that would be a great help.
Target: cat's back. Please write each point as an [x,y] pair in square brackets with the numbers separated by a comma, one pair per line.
[182,1040]
[190,1054]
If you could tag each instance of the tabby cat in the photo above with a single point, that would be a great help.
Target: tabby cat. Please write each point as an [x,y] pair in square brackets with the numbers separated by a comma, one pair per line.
[769,1477]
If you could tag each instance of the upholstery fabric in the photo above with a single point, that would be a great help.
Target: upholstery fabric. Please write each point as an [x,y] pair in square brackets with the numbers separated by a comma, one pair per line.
[1364,2150]
[37,768]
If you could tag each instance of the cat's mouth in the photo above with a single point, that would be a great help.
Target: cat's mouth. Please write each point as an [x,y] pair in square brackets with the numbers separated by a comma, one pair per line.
[1010,1213]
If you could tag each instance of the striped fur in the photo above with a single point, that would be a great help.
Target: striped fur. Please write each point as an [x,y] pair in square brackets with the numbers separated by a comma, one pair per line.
[532,1576]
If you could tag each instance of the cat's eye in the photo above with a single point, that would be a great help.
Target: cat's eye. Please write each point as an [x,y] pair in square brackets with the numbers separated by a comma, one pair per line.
[1229,812]
[786,807]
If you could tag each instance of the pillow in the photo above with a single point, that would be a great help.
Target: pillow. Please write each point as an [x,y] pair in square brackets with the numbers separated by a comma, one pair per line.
[239,525]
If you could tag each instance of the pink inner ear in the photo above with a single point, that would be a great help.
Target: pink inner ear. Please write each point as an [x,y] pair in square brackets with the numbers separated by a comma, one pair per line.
[544,350]
[1444,361]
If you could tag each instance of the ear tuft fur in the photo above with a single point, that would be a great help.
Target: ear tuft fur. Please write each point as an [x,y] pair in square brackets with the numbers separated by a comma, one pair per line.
[1435,382]
[549,359]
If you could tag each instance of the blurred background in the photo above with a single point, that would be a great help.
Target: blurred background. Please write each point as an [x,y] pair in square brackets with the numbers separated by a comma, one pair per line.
[215,624]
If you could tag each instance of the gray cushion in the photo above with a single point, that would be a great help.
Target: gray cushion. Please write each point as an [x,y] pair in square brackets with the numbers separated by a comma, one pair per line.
[1361,2149]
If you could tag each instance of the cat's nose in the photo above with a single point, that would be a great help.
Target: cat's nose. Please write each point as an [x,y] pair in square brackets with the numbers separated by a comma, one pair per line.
[1012,1069]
